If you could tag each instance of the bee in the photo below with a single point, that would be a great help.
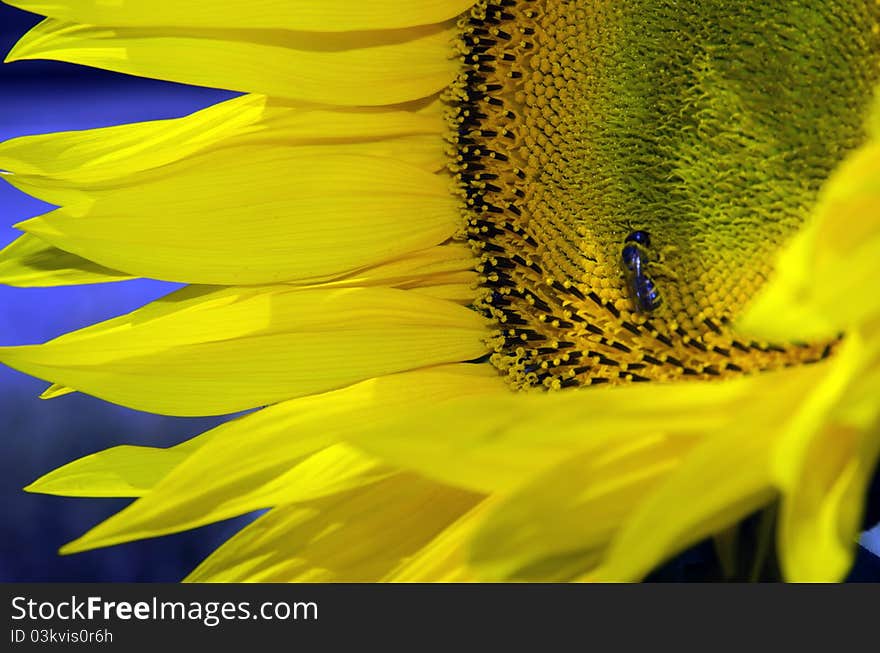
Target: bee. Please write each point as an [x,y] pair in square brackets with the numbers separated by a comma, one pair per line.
[634,260]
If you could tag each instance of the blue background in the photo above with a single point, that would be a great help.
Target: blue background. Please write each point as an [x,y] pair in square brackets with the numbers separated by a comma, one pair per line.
[37,436]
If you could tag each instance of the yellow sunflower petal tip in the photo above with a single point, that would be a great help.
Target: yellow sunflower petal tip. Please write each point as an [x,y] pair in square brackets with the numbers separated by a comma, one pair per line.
[68,549]
[87,542]
[56,390]
[10,56]
[31,226]
[19,51]
[42,485]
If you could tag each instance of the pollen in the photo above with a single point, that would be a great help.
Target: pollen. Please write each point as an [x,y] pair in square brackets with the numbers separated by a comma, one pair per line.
[709,126]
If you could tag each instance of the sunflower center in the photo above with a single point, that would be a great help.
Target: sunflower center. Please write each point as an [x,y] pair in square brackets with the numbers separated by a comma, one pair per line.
[631,168]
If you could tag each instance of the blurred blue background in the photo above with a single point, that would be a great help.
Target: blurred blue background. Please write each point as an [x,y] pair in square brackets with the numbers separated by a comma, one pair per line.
[38,97]
[37,436]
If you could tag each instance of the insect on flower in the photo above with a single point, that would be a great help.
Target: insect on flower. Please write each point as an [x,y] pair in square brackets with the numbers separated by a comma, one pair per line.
[634,258]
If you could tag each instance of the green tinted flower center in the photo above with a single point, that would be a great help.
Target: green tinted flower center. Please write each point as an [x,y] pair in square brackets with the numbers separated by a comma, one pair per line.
[710,126]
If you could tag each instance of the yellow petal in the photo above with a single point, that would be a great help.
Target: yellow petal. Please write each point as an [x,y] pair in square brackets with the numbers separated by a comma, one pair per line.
[325,473]
[93,156]
[723,479]
[445,558]
[348,69]
[460,293]
[559,524]
[359,536]
[56,390]
[419,271]
[29,262]
[825,283]
[261,459]
[124,471]
[314,15]
[203,352]
[446,264]
[257,215]
[826,458]
[822,516]
[493,443]
[826,278]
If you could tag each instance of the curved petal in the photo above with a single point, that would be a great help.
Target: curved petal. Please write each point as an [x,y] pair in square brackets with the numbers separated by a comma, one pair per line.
[826,278]
[201,352]
[95,156]
[124,471]
[445,558]
[825,463]
[92,156]
[822,515]
[256,461]
[723,479]
[493,443]
[359,536]
[450,263]
[325,473]
[30,262]
[315,15]
[557,525]
[347,69]
[720,482]
[257,215]
[66,168]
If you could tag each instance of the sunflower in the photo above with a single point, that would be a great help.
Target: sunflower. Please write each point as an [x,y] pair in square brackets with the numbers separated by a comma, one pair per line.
[421,236]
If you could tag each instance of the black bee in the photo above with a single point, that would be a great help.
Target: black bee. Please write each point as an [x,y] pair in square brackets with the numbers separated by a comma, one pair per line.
[634,259]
